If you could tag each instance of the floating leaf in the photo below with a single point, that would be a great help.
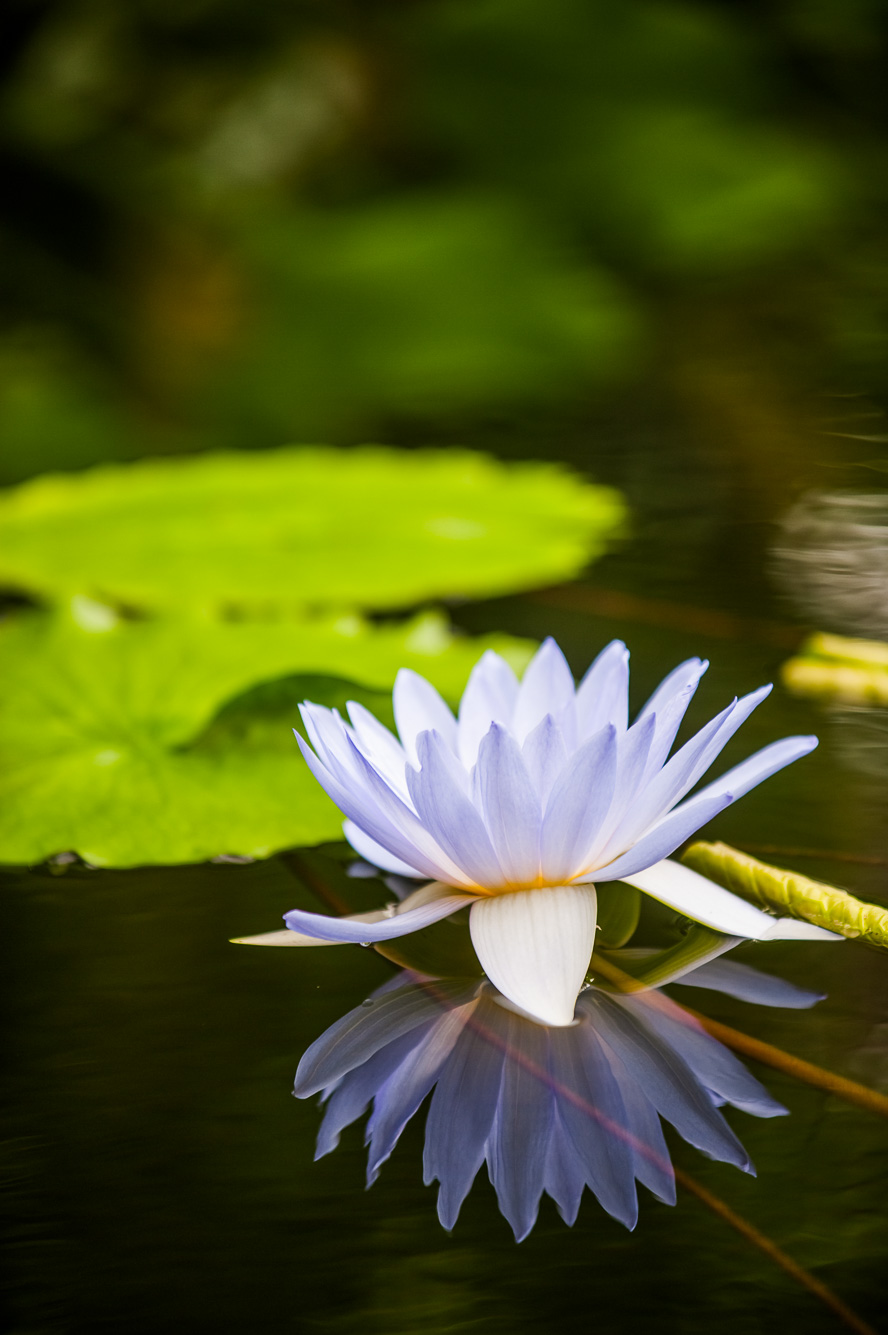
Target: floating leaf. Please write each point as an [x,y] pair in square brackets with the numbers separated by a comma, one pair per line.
[105,745]
[301,527]
[831,667]
[789,892]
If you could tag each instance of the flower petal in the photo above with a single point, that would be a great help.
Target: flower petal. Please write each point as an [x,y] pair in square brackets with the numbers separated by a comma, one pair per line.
[511,807]
[285,937]
[603,694]
[368,848]
[535,946]
[578,804]
[701,899]
[663,839]
[547,687]
[381,1019]
[438,791]
[418,707]
[381,747]
[545,755]
[489,697]
[358,801]
[422,908]
[758,767]
[667,1081]
[669,703]
[462,1110]
[400,1097]
[522,1125]
[748,984]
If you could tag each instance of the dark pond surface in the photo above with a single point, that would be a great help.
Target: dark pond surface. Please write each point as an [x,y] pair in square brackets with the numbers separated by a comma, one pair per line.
[160,1175]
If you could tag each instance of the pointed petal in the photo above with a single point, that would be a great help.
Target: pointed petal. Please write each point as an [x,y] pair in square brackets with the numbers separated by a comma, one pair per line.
[667,1080]
[489,697]
[748,984]
[418,707]
[384,821]
[439,793]
[402,1094]
[577,806]
[664,839]
[545,755]
[535,946]
[669,703]
[463,1107]
[381,747]
[603,694]
[522,1126]
[701,899]
[758,767]
[712,1063]
[422,908]
[547,687]
[374,853]
[351,1096]
[511,807]
[285,937]
[381,1019]
[591,1109]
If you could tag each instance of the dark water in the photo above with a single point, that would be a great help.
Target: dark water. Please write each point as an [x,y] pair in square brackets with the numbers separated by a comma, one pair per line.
[159,1175]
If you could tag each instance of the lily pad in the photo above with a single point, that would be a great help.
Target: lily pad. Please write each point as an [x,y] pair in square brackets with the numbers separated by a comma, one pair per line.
[115,744]
[301,528]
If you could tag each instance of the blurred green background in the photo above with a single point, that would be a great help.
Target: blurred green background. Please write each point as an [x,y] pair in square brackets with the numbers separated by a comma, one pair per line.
[230,224]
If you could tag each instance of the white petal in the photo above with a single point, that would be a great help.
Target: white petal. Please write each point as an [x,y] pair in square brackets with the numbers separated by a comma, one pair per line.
[547,687]
[603,694]
[418,707]
[704,901]
[511,806]
[381,747]
[489,697]
[535,946]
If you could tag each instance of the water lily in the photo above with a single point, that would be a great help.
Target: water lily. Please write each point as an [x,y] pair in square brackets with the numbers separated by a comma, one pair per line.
[550,1110]
[537,791]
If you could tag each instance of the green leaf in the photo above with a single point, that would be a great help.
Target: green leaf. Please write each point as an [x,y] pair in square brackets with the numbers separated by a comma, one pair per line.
[789,892]
[106,748]
[301,528]
[832,667]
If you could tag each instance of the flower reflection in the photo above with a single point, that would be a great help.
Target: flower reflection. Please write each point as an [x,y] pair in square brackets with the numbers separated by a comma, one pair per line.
[549,1109]
[519,806]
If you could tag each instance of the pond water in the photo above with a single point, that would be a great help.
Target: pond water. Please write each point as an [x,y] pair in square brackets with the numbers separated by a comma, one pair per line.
[160,1175]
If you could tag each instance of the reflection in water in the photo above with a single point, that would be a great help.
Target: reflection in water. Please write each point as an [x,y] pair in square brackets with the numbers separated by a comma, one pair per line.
[832,560]
[549,1109]
[860,740]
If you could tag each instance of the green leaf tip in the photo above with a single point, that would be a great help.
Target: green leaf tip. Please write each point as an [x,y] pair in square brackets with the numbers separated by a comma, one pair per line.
[831,667]
[789,892]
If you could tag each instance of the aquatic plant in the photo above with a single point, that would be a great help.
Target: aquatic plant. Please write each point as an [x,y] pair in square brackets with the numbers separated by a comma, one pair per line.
[549,1109]
[538,791]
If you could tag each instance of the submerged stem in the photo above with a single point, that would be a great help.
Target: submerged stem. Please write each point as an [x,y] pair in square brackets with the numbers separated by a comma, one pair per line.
[776,1254]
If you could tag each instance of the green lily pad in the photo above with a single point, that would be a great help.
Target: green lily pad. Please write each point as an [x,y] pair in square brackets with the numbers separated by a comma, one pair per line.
[301,528]
[115,744]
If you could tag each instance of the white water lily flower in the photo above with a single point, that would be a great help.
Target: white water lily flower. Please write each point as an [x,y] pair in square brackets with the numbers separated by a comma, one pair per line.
[517,808]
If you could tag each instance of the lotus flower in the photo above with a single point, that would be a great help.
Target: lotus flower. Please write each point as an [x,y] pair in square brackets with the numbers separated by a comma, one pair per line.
[537,791]
[549,1109]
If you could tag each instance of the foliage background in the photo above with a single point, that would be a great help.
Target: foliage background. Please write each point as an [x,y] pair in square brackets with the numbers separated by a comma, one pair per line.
[446,220]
